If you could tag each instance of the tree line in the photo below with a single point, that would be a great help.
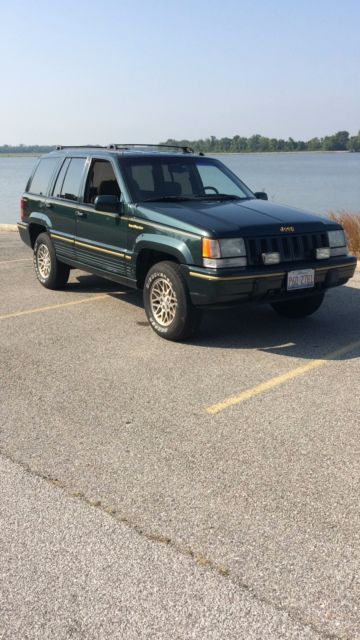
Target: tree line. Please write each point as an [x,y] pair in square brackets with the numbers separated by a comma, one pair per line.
[340,141]
[26,148]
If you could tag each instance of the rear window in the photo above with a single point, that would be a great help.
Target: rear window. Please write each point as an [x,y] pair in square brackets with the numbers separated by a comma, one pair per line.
[42,176]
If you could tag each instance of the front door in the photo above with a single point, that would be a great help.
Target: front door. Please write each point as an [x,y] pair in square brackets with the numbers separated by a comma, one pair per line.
[100,236]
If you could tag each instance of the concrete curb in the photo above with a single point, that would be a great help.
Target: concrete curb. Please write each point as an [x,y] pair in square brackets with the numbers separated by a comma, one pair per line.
[8,227]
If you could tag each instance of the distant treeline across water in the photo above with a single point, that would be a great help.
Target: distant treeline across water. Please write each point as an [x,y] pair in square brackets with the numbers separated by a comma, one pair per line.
[340,141]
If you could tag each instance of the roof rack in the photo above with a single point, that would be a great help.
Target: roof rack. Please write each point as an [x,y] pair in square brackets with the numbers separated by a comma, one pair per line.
[127,147]
[131,145]
[79,146]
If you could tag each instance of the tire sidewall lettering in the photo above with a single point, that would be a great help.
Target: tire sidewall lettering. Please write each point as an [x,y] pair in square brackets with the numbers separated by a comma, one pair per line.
[157,274]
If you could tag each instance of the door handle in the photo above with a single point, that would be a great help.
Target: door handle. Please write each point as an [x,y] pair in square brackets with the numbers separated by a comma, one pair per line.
[80,214]
[49,205]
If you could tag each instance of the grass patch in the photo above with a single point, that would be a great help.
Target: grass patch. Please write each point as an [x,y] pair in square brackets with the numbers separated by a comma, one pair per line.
[351,224]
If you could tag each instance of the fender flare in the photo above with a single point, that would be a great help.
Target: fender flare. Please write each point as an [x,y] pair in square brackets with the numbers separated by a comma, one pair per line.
[165,244]
[40,218]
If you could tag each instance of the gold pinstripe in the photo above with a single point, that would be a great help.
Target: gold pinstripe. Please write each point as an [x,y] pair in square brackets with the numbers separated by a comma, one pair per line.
[335,266]
[90,246]
[205,276]
[54,235]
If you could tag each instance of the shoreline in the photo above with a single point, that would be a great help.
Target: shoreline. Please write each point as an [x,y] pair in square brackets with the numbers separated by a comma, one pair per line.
[7,227]
[21,155]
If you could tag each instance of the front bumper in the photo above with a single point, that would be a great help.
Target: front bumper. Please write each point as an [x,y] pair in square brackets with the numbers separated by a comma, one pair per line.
[261,284]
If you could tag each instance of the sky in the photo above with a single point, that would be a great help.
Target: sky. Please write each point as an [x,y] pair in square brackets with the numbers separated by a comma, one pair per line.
[81,71]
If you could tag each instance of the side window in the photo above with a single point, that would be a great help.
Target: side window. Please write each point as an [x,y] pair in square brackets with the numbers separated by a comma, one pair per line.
[42,176]
[101,181]
[60,179]
[71,185]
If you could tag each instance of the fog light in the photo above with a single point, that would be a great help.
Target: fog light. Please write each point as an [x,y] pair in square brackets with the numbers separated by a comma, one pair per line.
[271,258]
[323,253]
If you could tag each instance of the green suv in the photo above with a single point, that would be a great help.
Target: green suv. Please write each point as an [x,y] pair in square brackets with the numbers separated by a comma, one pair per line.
[180,226]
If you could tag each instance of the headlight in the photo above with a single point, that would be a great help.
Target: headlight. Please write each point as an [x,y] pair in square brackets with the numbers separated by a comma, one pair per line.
[337,243]
[232,247]
[337,238]
[220,254]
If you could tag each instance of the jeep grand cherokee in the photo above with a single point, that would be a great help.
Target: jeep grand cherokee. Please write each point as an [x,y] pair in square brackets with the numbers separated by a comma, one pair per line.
[180,226]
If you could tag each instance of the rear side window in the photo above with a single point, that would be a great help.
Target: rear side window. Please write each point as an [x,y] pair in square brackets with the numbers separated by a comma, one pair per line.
[71,185]
[60,179]
[42,176]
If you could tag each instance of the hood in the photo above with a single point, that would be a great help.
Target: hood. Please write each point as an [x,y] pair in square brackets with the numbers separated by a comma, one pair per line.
[225,219]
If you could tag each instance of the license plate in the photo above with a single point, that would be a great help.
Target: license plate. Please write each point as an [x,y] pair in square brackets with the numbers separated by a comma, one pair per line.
[301,279]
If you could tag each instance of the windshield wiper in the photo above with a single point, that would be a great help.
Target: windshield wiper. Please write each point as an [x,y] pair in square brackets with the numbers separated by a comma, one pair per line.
[219,196]
[206,196]
[169,198]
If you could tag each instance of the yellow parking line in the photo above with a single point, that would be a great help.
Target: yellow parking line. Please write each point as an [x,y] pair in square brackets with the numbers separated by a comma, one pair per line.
[281,379]
[27,312]
[17,260]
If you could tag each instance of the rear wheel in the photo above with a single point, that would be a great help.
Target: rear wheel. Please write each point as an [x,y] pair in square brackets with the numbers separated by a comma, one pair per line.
[299,308]
[167,302]
[52,273]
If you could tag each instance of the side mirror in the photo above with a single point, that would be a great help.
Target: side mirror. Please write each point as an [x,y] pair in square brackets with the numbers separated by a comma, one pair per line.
[108,204]
[261,195]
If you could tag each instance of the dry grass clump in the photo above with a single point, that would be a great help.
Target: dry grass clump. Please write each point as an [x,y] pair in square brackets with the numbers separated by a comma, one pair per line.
[351,224]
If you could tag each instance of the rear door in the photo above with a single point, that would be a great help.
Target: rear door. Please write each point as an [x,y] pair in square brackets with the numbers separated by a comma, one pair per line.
[101,237]
[62,205]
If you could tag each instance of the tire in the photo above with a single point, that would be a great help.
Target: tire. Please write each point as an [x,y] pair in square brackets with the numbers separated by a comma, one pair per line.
[299,308]
[167,303]
[51,273]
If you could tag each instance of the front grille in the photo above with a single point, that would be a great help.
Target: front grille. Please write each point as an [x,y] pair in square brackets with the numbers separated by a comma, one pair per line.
[291,248]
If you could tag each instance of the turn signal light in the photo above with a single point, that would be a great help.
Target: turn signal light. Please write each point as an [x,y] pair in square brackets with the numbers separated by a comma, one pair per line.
[210,248]
[22,212]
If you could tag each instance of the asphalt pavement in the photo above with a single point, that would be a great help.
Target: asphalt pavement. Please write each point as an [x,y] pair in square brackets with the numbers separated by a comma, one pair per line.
[207,489]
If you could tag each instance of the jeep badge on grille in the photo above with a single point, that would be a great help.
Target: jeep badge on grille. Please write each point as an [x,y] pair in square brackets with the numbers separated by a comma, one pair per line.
[287,229]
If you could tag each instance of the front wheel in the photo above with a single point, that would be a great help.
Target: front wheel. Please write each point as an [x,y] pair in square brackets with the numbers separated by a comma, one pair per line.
[167,302]
[52,273]
[299,308]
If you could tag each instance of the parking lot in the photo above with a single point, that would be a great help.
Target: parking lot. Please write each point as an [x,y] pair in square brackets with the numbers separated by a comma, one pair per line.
[215,482]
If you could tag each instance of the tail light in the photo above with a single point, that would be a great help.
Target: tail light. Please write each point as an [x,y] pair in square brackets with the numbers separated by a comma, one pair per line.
[22,212]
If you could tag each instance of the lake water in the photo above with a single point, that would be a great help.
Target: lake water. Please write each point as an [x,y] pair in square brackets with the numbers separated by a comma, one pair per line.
[318,182]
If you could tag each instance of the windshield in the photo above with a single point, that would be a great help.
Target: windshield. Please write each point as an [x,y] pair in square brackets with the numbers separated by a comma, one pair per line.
[178,178]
